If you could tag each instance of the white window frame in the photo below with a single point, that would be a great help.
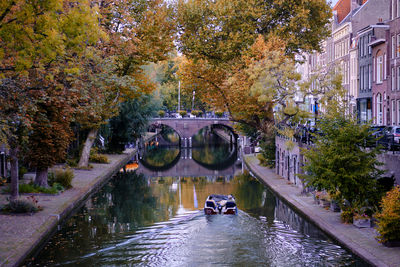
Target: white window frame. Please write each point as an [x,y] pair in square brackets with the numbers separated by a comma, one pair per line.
[384,66]
[379,109]
[398,46]
[393,74]
[369,77]
[398,78]
[398,8]
[398,112]
[393,46]
[393,112]
[379,69]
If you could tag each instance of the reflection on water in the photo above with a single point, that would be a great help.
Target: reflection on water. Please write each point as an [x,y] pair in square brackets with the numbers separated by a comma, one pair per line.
[158,157]
[142,221]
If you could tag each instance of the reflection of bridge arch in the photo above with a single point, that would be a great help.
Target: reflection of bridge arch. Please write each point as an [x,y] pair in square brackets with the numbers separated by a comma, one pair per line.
[187,127]
[186,167]
[161,168]
[221,165]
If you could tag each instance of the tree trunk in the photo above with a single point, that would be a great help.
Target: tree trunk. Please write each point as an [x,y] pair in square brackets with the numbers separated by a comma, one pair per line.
[84,160]
[41,177]
[14,173]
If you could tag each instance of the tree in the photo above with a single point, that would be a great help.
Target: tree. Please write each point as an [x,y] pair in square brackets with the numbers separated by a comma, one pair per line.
[41,42]
[339,163]
[258,82]
[51,134]
[140,32]
[14,124]
[227,44]
[131,122]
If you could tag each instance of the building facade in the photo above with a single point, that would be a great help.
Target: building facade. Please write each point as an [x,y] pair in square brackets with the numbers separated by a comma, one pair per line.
[393,46]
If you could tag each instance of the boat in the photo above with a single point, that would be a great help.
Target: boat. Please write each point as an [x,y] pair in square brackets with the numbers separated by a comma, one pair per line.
[220,204]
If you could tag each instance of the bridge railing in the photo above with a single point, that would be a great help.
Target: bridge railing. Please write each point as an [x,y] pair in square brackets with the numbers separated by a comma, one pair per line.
[197,118]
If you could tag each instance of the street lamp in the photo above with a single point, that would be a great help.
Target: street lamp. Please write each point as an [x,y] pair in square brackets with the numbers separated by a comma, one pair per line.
[179,96]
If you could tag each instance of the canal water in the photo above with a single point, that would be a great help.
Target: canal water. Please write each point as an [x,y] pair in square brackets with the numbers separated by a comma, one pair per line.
[142,219]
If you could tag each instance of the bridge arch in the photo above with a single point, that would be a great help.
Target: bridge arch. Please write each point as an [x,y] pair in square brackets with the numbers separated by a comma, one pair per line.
[188,127]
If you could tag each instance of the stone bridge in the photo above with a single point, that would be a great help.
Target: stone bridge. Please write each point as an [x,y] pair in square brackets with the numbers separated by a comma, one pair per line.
[187,127]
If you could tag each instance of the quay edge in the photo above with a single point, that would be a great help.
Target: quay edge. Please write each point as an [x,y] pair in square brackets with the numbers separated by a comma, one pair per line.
[368,249]
[32,244]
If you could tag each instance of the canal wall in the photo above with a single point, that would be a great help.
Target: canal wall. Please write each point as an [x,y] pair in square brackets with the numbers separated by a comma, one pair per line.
[289,161]
[21,236]
[360,241]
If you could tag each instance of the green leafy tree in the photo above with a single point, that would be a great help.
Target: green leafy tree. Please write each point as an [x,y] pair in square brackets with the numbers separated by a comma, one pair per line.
[41,42]
[130,123]
[339,163]
[139,32]
[234,48]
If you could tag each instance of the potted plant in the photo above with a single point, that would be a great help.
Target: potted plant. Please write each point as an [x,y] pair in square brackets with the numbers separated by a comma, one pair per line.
[361,220]
[183,113]
[324,199]
[219,114]
[334,205]
[197,112]
[389,219]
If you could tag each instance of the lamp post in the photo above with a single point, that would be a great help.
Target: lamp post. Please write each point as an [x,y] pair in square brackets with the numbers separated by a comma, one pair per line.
[179,96]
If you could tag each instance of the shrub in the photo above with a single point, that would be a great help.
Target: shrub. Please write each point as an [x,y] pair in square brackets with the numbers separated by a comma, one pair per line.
[30,204]
[389,217]
[347,215]
[64,177]
[219,113]
[183,113]
[161,113]
[197,112]
[263,161]
[98,158]
[31,188]
[72,163]
[2,181]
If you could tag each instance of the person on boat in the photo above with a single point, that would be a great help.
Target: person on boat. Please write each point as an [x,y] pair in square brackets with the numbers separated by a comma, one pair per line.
[210,199]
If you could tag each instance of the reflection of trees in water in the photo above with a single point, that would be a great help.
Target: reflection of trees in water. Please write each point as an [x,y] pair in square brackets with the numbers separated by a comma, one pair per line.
[169,135]
[248,192]
[158,157]
[206,137]
[211,154]
[123,205]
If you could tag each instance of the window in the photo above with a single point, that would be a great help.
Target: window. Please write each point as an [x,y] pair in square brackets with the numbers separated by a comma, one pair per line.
[393,9]
[379,69]
[393,79]
[398,112]
[398,8]
[379,109]
[393,112]
[369,77]
[393,46]
[398,46]
[398,78]
[384,66]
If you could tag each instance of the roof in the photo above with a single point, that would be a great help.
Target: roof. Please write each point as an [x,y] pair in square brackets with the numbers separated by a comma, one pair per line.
[343,9]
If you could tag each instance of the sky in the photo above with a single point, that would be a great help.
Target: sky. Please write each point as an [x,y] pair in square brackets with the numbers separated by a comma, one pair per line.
[333,2]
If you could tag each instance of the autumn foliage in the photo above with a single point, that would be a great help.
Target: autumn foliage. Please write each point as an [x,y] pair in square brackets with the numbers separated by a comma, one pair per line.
[389,217]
